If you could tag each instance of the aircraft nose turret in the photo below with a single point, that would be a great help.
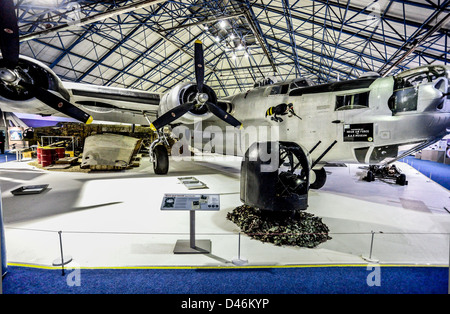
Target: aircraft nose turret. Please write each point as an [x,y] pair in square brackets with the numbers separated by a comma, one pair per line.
[443,89]
[435,96]
[443,106]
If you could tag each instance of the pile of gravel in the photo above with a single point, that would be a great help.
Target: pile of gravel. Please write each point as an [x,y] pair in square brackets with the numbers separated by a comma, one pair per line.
[280,228]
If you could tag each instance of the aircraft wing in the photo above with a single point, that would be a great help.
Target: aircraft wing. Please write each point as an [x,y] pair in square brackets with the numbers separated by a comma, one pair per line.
[114,104]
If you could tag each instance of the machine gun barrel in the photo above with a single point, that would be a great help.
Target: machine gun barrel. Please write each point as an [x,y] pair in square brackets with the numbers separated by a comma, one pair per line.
[323,154]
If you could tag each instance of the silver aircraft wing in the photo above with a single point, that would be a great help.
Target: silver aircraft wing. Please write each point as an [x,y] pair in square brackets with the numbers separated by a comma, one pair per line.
[115,104]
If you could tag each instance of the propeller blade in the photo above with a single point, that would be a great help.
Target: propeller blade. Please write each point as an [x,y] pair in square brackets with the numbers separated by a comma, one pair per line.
[9,34]
[58,103]
[171,115]
[199,65]
[220,113]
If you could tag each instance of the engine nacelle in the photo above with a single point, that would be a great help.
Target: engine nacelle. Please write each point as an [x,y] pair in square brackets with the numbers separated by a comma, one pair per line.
[184,93]
[32,72]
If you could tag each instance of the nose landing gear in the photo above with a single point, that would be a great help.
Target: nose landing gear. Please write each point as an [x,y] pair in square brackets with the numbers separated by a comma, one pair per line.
[159,155]
[386,173]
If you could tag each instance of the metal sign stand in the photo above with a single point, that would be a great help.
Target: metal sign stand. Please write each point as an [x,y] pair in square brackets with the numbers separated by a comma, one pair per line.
[239,260]
[192,203]
[192,246]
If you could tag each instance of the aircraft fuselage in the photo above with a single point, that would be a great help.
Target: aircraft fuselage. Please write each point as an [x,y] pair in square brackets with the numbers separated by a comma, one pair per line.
[369,117]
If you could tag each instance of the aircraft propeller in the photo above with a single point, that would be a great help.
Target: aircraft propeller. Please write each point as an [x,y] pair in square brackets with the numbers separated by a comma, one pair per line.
[9,34]
[200,99]
[9,46]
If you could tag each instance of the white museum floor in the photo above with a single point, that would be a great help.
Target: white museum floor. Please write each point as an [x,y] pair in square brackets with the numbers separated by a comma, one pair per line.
[113,219]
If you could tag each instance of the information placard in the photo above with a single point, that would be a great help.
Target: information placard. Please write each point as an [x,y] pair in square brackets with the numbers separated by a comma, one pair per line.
[361,132]
[190,202]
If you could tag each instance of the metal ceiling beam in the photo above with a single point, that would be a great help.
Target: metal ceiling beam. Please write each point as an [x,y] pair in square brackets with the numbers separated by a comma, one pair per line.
[168,58]
[417,42]
[181,48]
[116,46]
[109,53]
[375,40]
[352,31]
[346,64]
[87,59]
[256,29]
[324,43]
[387,17]
[348,30]
[66,51]
[79,39]
[92,19]
[291,31]
[207,21]
[191,72]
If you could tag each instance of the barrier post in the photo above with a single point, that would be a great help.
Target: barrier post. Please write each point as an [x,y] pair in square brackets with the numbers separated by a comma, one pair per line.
[370,259]
[64,259]
[239,261]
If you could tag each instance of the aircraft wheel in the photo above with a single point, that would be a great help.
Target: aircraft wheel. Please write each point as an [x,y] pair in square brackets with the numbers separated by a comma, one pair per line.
[401,180]
[321,178]
[160,160]
[370,176]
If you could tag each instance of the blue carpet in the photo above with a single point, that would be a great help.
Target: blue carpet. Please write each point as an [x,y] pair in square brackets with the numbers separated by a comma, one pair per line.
[7,157]
[292,280]
[440,173]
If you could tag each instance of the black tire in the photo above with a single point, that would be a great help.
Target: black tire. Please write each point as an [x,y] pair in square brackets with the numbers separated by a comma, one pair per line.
[321,178]
[370,176]
[160,160]
[401,179]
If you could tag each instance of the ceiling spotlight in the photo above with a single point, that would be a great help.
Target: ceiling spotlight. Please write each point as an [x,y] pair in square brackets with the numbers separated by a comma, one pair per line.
[240,47]
[223,24]
[217,38]
[234,56]
[206,27]
[232,36]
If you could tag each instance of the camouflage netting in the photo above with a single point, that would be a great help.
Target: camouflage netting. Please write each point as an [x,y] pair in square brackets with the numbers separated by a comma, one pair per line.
[296,229]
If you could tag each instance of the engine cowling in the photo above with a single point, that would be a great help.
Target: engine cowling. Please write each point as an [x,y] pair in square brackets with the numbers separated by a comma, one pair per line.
[32,72]
[184,93]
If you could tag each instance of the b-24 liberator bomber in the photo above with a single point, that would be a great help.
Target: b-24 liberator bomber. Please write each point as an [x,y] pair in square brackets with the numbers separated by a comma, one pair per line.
[278,128]
[286,132]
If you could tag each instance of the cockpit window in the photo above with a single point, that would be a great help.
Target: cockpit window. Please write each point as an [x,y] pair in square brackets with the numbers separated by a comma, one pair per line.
[406,85]
[418,76]
[354,101]
[280,89]
[300,83]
